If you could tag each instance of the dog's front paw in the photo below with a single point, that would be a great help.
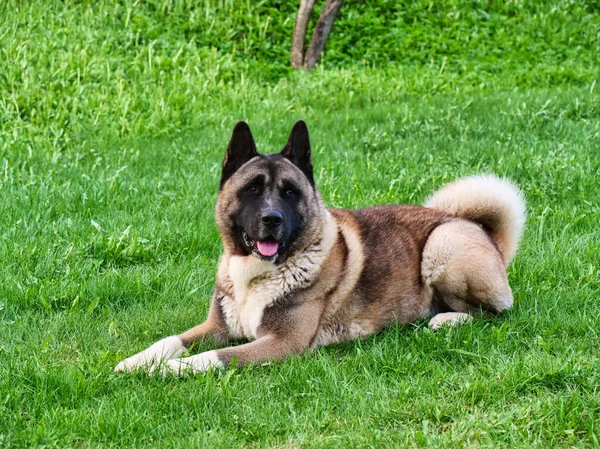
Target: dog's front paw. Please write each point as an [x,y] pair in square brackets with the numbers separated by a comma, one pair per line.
[165,349]
[448,319]
[189,365]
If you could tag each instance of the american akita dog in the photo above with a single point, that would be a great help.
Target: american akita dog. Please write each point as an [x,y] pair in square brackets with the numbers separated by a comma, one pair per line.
[295,275]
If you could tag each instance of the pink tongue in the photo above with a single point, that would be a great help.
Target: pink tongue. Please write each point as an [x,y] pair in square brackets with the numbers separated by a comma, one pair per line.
[267,248]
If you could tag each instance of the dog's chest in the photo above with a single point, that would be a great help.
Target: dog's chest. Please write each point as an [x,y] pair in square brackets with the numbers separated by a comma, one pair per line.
[256,284]
[254,288]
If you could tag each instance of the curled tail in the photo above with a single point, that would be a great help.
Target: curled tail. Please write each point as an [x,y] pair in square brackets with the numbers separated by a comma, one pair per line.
[487,199]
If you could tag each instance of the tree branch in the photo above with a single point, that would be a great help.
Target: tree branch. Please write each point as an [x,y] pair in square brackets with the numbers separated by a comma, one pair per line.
[321,33]
[304,13]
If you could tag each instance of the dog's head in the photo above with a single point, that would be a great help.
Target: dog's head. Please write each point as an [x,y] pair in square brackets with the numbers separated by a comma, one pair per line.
[268,206]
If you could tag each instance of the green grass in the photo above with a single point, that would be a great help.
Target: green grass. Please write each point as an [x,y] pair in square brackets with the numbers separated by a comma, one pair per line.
[114,118]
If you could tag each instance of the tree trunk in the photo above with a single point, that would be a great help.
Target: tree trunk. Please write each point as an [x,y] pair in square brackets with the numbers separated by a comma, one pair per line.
[321,33]
[304,13]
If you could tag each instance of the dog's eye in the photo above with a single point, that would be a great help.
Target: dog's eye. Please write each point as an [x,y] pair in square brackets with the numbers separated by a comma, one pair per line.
[252,189]
[289,192]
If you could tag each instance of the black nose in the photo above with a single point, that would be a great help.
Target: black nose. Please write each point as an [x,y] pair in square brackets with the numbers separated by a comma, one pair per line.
[272,218]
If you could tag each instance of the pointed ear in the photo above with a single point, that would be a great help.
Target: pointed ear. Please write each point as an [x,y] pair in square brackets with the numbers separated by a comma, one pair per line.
[297,150]
[240,150]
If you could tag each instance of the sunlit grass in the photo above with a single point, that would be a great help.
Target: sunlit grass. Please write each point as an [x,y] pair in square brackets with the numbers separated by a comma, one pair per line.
[109,167]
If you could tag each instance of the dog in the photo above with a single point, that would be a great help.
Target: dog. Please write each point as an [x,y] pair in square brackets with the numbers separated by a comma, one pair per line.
[295,275]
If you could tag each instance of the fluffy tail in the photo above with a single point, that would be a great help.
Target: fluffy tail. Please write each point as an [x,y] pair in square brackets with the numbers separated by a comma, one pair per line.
[487,199]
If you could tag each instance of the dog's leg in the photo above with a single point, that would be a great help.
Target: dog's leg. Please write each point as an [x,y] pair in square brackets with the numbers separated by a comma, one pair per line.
[164,349]
[466,272]
[448,319]
[285,329]
[176,345]
[167,348]
[266,348]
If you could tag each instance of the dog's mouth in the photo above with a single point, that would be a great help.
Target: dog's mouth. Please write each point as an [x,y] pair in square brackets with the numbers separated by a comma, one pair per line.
[267,248]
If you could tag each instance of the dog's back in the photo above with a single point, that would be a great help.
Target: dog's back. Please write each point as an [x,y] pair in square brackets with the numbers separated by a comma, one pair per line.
[449,258]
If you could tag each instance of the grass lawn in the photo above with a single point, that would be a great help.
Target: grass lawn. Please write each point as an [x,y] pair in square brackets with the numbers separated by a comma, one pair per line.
[113,125]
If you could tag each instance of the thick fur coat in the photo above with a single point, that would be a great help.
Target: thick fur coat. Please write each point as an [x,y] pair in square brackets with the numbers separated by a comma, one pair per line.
[295,275]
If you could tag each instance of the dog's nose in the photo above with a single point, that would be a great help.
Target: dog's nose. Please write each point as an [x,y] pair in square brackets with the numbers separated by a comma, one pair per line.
[272,218]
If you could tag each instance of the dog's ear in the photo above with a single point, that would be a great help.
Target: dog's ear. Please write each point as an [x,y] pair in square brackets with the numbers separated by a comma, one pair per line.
[240,150]
[297,150]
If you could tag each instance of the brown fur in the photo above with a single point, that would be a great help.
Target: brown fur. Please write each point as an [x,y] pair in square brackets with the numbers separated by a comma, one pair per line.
[348,274]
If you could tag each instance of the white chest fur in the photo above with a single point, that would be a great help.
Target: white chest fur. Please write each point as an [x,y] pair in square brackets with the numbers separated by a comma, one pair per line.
[244,312]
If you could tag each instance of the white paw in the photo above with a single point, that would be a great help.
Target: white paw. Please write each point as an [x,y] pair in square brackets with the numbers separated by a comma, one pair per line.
[195,364]
[448,319]
[165,349]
